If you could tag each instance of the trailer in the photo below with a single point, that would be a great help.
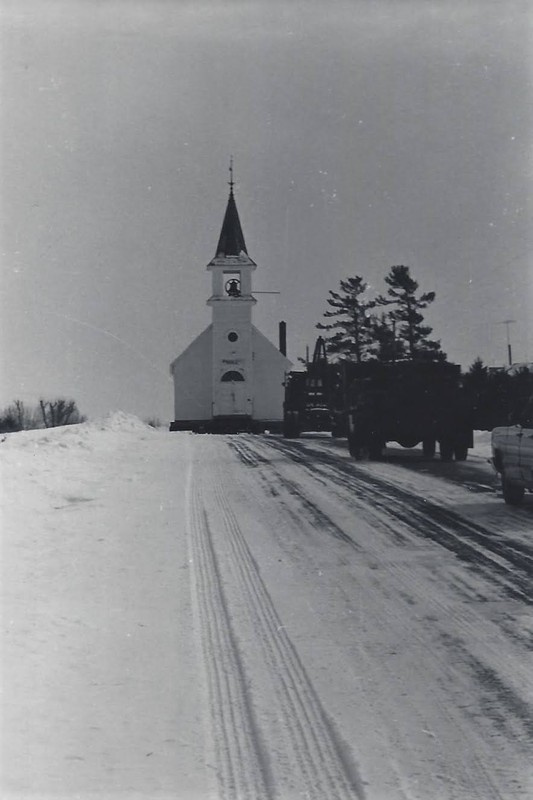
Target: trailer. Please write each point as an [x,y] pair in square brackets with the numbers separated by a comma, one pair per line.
[411,403]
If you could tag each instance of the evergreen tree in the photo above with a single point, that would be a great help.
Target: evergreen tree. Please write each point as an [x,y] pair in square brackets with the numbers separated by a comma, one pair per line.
[352,325]
[387,346]
[480,394]
[477,375]
[406,307]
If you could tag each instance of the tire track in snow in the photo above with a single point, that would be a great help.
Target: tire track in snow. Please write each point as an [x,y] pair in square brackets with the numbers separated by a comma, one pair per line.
[510,707]
[483,786]
[325,769]
[318,518]
[242,768]
[474,544]
[416,516]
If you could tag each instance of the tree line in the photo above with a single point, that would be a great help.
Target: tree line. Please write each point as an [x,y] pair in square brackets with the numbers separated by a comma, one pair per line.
[497,396]
[389,327]
[47,414]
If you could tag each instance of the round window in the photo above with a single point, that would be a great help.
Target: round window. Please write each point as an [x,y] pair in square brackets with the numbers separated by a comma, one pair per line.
[233,336]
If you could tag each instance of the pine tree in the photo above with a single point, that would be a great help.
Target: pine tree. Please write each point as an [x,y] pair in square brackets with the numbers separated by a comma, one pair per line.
[352,325]
[406,307]
[387,346]
[477,374]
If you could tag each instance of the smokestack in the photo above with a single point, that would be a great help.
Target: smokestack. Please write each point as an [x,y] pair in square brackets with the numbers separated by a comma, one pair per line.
[283,338]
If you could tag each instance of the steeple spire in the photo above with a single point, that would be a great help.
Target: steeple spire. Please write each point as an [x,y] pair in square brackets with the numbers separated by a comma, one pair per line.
[231,241]
[231,184]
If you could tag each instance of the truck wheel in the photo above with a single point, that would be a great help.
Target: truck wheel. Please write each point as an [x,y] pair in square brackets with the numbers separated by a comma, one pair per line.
[360,453]
[291,433]
[375,451]
[291,425]
[460,452]
[513,494]
[446,450]
[356,450]
[428,447]
[289,430]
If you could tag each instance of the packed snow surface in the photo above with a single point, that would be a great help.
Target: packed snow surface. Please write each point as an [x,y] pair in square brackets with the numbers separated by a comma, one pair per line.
[249,618]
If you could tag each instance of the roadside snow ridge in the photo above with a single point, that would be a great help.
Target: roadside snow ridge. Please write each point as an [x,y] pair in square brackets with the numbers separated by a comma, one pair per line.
[119,421]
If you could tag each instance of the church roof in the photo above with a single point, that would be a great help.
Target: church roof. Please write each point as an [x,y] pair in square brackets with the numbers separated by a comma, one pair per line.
[231,241]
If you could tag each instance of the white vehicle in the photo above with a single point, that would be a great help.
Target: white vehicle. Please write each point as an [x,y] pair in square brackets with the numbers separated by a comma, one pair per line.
[512,456]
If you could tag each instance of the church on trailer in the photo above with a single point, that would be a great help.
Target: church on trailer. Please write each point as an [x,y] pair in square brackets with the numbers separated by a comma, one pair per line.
[231,377]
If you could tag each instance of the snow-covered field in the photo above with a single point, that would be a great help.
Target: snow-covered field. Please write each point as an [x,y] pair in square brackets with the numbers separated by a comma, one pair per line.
[196,617]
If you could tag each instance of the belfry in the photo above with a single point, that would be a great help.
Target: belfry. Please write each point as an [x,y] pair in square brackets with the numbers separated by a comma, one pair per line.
[231,377]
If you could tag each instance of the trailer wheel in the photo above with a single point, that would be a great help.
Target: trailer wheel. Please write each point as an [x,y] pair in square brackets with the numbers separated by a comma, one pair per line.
[460,452]
[446,450]
[375,451]
[360,453]
[357,451]
[428,447]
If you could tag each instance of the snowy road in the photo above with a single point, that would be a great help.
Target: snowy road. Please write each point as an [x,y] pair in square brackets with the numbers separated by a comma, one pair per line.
[299,625]
[394,631]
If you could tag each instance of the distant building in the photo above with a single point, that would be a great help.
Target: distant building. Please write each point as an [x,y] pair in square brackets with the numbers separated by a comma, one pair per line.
[521,366]
[231,377]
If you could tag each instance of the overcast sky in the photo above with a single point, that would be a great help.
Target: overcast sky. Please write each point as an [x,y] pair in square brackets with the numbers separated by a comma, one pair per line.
[365,134]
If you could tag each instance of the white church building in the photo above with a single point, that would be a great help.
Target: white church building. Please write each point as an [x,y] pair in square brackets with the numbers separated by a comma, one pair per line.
[231,377]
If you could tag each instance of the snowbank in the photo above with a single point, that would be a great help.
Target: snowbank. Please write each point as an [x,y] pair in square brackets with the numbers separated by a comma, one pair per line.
[38,468]
[94,613]
[84,434]
[120,421]
[482,444]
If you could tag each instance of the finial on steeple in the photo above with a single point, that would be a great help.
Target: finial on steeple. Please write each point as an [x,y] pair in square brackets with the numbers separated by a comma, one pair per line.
[231,182]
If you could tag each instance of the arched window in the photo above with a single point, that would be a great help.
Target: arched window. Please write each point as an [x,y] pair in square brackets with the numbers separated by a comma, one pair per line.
[232,375]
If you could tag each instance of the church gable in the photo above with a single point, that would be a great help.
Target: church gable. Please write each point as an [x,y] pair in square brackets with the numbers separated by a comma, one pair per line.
[270,369]
[191,372]
[192,349]
[263,348]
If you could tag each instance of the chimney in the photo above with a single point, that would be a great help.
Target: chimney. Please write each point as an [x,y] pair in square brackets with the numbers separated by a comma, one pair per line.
[283,338]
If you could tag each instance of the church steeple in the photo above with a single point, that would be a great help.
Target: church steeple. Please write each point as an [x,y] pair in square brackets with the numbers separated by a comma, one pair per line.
[231,241]
[231,249]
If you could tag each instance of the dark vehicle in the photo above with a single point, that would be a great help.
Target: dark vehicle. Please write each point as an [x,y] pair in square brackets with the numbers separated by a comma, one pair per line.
[308,396]
[409,402]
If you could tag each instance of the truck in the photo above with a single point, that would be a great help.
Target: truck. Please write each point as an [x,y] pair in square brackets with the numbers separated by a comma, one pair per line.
[512,454]
[409,402]
[308,395]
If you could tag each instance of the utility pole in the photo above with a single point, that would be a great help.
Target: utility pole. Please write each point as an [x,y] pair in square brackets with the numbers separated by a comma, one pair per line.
[508,322]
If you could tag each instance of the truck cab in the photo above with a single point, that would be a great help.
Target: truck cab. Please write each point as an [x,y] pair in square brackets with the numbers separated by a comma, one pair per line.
[512,455]
[307,405]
